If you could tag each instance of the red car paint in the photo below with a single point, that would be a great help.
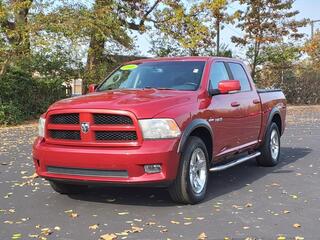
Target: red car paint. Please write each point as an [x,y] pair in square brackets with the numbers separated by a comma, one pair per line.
[237,120]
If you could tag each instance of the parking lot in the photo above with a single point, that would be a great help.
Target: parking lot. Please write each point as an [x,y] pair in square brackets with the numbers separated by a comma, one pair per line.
[244,202]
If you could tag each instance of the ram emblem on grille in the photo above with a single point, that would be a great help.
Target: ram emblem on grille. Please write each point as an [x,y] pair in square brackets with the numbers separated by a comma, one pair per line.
[85,127]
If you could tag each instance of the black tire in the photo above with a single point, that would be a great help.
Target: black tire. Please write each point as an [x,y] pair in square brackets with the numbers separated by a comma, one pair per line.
[181,190]
[266,158]
[66,188]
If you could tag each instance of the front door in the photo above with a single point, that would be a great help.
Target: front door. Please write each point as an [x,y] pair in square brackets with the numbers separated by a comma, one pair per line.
[226,113]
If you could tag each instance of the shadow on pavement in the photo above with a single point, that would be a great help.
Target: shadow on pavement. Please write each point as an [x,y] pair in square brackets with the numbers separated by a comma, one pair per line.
[220,183]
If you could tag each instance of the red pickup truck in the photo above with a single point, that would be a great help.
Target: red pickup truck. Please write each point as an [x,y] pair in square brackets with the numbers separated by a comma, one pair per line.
[161,122]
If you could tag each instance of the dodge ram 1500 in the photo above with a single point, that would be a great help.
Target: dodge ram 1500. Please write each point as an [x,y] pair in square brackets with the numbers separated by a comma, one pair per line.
[160,122]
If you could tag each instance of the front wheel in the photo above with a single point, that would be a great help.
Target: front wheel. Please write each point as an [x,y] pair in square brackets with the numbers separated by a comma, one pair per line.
[191,182]
[270,150]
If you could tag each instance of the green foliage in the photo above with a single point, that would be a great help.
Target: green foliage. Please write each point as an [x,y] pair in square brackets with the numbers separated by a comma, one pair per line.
[266,22]
[10,114]
[312,48]
[24,96]
[185,28]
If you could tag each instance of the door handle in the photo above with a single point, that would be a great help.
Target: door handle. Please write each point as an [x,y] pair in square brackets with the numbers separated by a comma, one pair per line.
[256,101]
[235,104]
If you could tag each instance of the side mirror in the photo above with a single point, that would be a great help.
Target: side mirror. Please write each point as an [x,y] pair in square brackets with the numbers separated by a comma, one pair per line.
[92,88]
[227,86]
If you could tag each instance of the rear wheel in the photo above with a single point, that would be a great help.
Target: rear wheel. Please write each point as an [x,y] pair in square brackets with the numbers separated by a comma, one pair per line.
[270,150]
[66,188]
[190,184]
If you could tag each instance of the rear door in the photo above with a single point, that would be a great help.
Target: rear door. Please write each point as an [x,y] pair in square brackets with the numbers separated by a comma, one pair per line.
[250,105]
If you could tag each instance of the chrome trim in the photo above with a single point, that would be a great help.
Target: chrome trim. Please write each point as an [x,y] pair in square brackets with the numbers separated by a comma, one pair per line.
[234,163]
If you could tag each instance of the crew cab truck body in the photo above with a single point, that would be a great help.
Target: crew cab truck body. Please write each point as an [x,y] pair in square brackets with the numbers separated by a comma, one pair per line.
[160,122]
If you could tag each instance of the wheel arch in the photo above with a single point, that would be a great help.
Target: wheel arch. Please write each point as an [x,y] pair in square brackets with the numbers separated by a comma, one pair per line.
[275,116]
[201,129]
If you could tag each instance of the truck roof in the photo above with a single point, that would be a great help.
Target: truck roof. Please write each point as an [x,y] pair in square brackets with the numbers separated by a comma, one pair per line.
[195,58]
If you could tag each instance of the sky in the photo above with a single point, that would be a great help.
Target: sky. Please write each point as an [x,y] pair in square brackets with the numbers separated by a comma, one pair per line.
[307,8]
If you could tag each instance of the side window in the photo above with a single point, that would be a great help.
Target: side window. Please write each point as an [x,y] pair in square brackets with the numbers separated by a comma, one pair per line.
[218,73]
[239,74]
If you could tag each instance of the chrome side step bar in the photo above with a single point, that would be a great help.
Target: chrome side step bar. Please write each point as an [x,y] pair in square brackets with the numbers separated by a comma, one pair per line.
[234,163]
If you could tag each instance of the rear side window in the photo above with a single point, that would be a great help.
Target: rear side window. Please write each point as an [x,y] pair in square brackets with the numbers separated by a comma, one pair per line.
[218,73]
[239,74]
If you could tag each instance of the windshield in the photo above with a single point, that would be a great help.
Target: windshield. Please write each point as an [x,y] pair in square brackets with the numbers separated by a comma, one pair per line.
[175,75]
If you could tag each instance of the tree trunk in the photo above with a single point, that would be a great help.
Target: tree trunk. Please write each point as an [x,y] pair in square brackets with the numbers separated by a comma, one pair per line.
[94,61]
[22,39]
[255,59]
[218,36]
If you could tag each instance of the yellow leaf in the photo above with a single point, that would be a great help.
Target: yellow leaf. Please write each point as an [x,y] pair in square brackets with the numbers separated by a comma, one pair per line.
[294,196]
[123,213]
[16,236]
[281,238]
[174,222]
[108,237]
[151,223]
[202,236]
[94,227]
[33,176]
[136,229]
[46,231]
[296,225]
[125,233]
[298,238]
[74,215]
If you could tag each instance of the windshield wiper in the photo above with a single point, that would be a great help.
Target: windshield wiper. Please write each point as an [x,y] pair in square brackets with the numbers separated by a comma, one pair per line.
[160,88]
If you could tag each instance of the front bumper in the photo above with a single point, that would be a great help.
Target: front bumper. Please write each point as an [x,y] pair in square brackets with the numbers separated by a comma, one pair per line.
[107,165]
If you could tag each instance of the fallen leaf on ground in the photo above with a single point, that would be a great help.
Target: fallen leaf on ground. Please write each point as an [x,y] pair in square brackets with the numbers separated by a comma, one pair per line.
[136,229]
[94,227]
[281,238]
[174,222]
[108,237]
[46,231]
[298,238]
[74,215]
[16,236]
[33,176]
[296,225]
[202,236]
[123,213]
[294,196]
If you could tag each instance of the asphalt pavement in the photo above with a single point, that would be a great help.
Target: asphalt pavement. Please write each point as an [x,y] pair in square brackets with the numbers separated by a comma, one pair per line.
[244,202]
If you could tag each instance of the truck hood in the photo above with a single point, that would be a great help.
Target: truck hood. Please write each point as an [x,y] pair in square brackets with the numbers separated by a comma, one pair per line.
[144,103]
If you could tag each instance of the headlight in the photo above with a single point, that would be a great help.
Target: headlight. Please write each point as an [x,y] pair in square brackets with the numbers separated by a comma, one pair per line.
[159,128]
[41,126]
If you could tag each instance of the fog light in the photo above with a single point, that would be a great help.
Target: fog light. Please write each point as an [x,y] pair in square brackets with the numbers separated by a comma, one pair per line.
[153,168]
